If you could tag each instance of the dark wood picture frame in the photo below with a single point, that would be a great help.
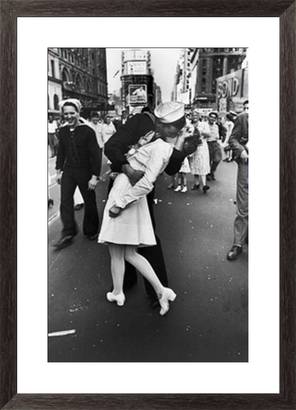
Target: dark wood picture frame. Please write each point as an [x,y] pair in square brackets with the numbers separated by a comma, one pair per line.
[10,11]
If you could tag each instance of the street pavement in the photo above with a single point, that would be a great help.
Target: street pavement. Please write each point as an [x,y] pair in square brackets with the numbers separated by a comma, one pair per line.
[208,322]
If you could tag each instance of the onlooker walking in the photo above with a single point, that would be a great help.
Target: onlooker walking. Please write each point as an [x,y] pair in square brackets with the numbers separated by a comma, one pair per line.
[200,160]
[52,137]
[229,123]
[182,177]
[188,130]
[77,164]
[213,144]
[108,129]
[239,144]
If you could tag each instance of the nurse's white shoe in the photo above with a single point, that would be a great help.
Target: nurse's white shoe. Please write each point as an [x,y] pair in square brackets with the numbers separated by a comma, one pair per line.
[119,299]
[168,295]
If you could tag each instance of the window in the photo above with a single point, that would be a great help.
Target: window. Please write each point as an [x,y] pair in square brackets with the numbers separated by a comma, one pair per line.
[65,75]
[52,68]
[203,84]
[56,102]
[78,81]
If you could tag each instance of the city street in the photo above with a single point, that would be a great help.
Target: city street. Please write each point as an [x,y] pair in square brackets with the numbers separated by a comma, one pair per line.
[208,322]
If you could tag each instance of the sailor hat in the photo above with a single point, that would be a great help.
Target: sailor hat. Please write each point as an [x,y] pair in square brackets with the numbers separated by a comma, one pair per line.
[169,112]
[213,114]
[73,101]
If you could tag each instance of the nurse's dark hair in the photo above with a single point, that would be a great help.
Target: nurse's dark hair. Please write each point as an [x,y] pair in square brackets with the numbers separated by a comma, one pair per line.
[179,124]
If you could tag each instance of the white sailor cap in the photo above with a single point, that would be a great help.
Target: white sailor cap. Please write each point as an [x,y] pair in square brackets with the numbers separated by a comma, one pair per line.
[169,112]
[73,101]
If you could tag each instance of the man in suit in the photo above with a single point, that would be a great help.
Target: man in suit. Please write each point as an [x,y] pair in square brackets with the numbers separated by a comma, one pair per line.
[213,144]
[168,119]
[238,142]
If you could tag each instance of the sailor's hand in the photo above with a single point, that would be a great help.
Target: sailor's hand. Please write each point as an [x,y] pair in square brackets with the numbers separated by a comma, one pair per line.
[244,156]
[92,183]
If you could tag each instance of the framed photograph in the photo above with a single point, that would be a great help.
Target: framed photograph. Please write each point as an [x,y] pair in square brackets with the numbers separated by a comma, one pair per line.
[228,340]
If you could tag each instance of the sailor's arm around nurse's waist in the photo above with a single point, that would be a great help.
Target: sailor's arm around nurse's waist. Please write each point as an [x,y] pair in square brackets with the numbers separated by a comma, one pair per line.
[155,166]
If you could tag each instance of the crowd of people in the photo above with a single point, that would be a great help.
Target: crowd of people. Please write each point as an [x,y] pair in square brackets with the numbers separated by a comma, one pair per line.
[104,128]
[139,149]
[214,134]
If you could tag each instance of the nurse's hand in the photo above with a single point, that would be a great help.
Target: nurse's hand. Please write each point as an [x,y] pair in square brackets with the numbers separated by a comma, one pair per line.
[114,211]
[133,175]
[59,177]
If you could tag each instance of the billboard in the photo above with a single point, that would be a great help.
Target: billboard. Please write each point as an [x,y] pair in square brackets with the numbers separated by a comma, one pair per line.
[130,55]
[135,67]
[137,94]
[230,85]
[232,90]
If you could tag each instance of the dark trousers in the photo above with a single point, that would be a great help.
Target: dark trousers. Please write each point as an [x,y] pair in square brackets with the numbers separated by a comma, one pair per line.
[153,254]
[101,156]
[71,178]
[241,222]
[215,153]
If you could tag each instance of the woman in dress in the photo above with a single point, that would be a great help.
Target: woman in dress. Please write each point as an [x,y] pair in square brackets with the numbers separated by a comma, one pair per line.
[126,221]
[108,129]
[185,168]
[200,160]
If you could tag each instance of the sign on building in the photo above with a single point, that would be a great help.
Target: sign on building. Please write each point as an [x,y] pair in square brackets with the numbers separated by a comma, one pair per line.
[135,67]
[232,90]
[130,55]
[137,94]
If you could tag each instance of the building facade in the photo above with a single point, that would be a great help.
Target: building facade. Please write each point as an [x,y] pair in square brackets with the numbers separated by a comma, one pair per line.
[157,94]
[182,89]
[137,82]
[55,94]
[214,63]
[78,73]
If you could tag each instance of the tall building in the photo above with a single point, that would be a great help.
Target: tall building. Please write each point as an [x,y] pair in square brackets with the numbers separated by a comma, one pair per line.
[157,94]
[181,90]
[233,90]
[78,73]
[182,87]
[212,64]
[55,93]
[137,83]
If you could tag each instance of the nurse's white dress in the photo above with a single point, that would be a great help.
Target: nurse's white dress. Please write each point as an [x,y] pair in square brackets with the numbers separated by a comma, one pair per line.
[134,226]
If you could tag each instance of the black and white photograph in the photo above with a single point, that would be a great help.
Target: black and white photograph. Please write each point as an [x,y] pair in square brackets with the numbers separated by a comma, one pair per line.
[148,164]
